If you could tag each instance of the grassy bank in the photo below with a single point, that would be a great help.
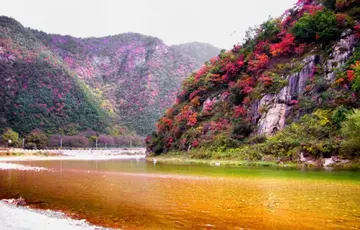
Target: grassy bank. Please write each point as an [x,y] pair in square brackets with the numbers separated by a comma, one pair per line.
[212,158]
[205,157]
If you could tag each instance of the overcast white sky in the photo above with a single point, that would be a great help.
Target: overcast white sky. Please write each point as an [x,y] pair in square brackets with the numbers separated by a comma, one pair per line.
[219,22]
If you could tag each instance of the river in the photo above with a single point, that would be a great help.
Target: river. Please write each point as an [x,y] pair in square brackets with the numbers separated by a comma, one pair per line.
[135,194]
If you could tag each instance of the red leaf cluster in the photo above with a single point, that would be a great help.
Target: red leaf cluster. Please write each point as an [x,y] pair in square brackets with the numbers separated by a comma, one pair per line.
[285,47]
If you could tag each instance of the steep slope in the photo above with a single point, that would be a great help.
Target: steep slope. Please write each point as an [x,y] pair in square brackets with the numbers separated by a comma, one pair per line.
[200,52]
[133,77]
[37,90]
[287,90]
[137,76]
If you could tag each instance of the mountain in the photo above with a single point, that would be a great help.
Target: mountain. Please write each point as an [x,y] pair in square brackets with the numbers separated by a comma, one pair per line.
[37,89]
[128,79]
[200,52]
[286,91]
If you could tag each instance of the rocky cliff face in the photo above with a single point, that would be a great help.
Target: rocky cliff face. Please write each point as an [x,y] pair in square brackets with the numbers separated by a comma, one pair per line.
[280,105]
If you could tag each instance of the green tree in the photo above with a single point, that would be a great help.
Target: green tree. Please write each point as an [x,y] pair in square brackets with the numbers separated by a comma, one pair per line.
[321,26]
[11,135]
[37,139]
[329,4]
[350,146]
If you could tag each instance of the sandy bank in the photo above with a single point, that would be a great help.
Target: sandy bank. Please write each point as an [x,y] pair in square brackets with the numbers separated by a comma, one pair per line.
[19,218]
[11,166]
[78,157]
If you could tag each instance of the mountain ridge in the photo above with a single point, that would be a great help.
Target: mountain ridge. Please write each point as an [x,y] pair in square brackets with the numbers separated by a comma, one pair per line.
[119,71]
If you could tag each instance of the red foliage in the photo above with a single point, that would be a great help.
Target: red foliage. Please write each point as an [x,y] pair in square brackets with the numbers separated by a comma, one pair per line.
[350,75]
[195,143]
[225,95]
[285,22]
[311,9]
[357,29]
[247,101]
[285,47]
[183,141]
[341,19]
[294,102]
[266,80]
[299,50]
[239,111]
[203,70]
[221,124]
[236,48]
[147,139]
[169,141]
[169,112]
[208,105]
[164,124]
[245,83]
[194,94]
[262,47]
[192,119]
[214,60]
[225,78]
[259,63]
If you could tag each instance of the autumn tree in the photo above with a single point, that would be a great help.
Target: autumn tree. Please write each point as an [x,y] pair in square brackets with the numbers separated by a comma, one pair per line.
[10,135]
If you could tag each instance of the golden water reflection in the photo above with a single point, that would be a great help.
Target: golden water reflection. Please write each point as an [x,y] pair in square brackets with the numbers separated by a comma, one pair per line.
[139,199]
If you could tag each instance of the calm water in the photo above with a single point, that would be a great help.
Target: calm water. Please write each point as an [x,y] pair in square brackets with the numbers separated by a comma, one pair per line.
[141,195]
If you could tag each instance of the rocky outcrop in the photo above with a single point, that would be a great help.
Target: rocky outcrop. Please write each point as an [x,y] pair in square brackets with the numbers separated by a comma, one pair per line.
[342,51]
[274,119]
[280,105]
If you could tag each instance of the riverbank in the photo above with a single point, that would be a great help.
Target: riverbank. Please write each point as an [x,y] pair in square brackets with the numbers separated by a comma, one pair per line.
[176,158]
[81,154]
[52,158]
[13,217]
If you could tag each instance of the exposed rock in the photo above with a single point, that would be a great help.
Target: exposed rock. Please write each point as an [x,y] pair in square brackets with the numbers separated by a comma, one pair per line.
[281,103]
[18,202]
[273,120]
[328,162]
[255,115]
[342,51]
[266,100]
[305,73]
[302,158]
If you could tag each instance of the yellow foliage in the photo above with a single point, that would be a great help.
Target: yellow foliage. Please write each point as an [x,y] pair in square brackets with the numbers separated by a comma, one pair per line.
[324,116]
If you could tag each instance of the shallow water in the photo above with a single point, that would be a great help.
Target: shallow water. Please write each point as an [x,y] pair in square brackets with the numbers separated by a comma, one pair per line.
[141,195]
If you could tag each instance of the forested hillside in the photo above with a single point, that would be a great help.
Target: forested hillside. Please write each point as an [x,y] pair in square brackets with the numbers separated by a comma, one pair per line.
[57,82]
[291,88]
[38,90]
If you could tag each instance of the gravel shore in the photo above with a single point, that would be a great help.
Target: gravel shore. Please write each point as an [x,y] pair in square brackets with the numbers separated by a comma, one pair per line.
[24,218]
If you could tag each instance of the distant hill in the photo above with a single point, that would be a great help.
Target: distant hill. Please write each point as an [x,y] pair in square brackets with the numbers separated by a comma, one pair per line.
[200,52]
[54,81]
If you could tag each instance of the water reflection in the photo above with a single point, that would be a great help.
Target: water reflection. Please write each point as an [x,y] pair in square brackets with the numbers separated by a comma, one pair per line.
[140,195]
